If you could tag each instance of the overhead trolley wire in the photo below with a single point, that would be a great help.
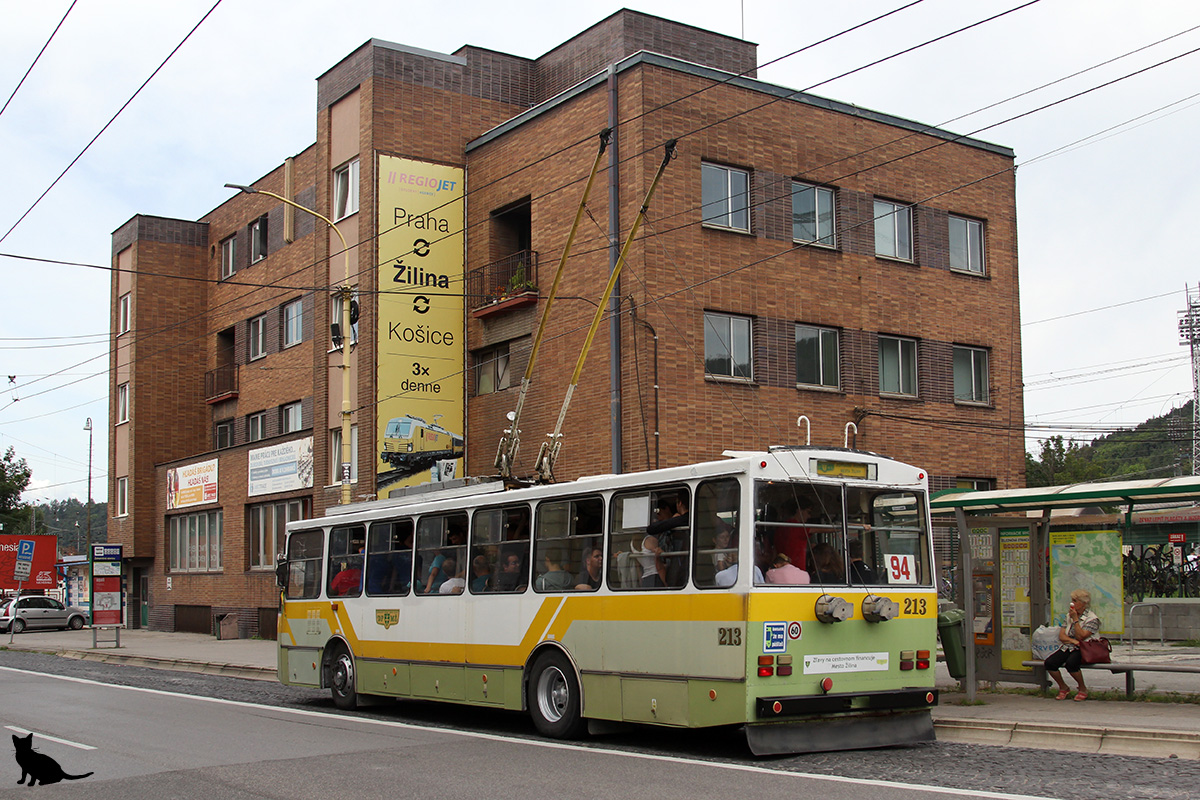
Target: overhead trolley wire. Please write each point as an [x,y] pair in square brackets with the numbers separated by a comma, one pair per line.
[37,57]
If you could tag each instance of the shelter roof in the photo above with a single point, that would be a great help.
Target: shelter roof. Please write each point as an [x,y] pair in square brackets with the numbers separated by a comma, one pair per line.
[1070,496]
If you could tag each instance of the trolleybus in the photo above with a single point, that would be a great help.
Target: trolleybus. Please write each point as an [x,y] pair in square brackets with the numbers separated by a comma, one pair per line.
[789,591]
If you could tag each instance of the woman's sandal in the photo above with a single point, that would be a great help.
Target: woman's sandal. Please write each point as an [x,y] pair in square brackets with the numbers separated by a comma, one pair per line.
[1063,694]
[1079,698]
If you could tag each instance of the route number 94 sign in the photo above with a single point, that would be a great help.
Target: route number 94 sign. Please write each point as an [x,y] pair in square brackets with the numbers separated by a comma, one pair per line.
[901,568]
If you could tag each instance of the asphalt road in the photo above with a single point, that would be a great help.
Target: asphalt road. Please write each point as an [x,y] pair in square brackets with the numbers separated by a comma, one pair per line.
[273,741]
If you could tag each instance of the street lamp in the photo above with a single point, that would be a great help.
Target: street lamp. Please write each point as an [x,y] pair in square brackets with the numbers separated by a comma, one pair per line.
[345,291]
[87,426]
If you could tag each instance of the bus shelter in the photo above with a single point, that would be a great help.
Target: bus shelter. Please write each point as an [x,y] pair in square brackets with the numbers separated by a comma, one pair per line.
[1021,552]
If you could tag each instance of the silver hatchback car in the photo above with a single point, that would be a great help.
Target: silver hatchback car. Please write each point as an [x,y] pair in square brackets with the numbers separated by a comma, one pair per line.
[34,611]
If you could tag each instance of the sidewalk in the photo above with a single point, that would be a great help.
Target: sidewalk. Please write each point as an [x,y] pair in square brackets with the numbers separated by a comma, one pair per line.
[1138,728]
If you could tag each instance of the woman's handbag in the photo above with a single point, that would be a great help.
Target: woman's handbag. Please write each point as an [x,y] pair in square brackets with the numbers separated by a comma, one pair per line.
[1096,650]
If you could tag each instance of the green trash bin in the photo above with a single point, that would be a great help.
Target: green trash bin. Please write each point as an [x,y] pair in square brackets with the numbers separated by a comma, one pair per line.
[952,630]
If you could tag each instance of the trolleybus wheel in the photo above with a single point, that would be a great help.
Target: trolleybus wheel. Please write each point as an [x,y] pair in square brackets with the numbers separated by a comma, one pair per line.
[553,697]
[341,680]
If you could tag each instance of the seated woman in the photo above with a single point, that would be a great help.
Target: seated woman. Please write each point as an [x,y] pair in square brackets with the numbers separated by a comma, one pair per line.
[784,571]
[827,564]
[1081,623]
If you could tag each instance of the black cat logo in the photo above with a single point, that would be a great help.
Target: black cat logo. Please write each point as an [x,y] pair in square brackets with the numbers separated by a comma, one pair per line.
[40,768]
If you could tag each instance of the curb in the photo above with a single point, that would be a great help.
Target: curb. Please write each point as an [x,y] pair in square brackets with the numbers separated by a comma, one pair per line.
[1040,735]
[175,664]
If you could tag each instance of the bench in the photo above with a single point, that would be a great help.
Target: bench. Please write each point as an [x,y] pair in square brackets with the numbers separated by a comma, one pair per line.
[1128,669]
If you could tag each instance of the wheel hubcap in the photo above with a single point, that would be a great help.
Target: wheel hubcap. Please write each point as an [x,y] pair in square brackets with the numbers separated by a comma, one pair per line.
[552,694]
[343,674]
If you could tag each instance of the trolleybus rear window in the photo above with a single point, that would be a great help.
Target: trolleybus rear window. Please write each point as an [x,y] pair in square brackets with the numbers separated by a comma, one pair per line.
[716,523]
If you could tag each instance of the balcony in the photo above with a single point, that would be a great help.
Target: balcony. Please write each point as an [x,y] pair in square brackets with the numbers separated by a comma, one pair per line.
[503,285]
[221,384]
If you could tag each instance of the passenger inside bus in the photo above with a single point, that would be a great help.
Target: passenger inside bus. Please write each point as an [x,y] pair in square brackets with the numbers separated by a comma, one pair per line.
[827,565]
[860,571]
[511,577]
[593,562]
[670,529]
[455,582]
[554,578]
[481,574]
[792,538]
[784,571]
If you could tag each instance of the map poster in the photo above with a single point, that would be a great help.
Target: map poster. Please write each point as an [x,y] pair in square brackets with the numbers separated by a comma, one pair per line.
[1088,560]
[1015,644]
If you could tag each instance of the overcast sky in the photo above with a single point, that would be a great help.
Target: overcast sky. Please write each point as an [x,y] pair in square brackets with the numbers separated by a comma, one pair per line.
[1104,225]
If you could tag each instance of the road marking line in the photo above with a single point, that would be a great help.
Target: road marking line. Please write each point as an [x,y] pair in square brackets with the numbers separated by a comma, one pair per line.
[48,737]
[548,744]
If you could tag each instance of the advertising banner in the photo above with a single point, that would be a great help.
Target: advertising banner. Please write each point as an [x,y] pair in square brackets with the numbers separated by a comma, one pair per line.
[107,600]
[420,405]
[280,467]
[192,485]
[42,574]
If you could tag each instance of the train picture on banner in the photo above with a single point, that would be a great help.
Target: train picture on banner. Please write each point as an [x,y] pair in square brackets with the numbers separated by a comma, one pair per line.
[410,444]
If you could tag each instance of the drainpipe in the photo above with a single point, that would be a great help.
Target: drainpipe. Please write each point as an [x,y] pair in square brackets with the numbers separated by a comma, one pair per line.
[614,252]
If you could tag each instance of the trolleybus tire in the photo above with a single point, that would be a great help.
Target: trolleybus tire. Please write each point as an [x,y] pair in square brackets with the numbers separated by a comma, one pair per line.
[553,697]
[341,679]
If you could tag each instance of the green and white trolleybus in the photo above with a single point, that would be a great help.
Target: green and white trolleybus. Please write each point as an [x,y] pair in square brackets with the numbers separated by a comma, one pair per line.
[789,591]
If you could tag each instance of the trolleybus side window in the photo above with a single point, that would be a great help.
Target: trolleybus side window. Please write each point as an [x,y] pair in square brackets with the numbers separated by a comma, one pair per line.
[442,553]
[716,516]
[650,538]
[565,531]
[390,558]
[799,537]
[346,546]
[499,550]
[890,528]
[305,553]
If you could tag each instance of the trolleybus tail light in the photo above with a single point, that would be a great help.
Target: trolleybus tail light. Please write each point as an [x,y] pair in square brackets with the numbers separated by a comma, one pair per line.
[784,666]
[766,666]
[905,666]
[827,685]
[906,659]
[777,707]
[766,661]
[922,659]
[766,672]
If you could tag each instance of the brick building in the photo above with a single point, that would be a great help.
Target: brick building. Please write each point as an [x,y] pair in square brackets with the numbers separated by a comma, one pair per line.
[801,256]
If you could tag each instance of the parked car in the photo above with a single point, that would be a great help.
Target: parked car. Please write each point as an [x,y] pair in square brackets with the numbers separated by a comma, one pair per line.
[39,612]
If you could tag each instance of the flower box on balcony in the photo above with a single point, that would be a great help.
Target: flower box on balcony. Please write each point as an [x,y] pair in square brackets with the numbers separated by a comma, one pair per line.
[507,303]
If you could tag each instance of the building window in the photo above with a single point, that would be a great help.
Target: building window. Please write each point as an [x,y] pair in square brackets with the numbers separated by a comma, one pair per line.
[817,357]
[256,426]
[258,337]
[124,314]
[727,346]
[975,484]
[291,418]
[228,254]
[335,315]
[893,230]
[293,323]
[266,526]
[123,403]
[897,366]
[223,434]
[970,375]
[725,195]
[122,497]
[258,239]
[966,244]
[812,214]
[345,190]
[196,542]
[335,455]
[491,370]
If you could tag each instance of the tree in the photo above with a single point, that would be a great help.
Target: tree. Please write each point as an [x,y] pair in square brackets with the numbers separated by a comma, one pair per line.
[14,478]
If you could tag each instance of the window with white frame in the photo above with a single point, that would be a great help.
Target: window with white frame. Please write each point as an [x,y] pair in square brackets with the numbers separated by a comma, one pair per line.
[970,375]
[817,360]
[122,497]
[893,230]
[725,197]
[335,316]
[897,366]
[258,239]
[727,346]
[966,244]
[228,254]
[122,403]
[124,314]
[293,323]
[258,337]
[266,526]
[223,434]
[291,418]
[256,426]
[345,190]
[196,542]
[335,454]
[491,370]
[812,214]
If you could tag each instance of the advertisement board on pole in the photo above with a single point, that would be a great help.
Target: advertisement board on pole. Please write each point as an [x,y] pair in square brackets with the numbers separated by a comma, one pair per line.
[40,563]
[107,600]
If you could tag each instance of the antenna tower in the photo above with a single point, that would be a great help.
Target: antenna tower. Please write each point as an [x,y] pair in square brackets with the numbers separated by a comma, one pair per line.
[1189,334]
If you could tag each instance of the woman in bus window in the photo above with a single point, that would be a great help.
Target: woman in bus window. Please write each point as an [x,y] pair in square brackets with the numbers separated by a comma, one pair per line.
[827,564]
